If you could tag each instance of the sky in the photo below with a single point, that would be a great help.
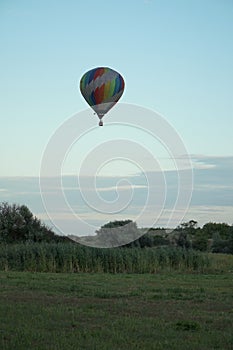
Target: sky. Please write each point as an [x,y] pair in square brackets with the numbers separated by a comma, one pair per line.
[176,57]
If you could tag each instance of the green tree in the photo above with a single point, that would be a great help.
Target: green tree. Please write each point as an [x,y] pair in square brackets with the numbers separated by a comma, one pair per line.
[220,245]
[13,222]
[183,240]
[200,241]
[114,224]
[189,227]
[185,232]
[17,224]
[212,227]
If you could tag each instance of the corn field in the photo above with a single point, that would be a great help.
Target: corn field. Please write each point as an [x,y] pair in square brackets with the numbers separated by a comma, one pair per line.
[65,257]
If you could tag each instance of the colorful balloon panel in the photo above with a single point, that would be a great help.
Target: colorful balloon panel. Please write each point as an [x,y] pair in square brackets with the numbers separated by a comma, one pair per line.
[102,87]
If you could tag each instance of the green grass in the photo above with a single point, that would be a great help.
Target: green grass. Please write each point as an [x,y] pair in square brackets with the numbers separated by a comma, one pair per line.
[51,311]
[220,263]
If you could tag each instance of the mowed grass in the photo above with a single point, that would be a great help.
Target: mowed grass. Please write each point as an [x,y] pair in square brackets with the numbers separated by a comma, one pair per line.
[115,311]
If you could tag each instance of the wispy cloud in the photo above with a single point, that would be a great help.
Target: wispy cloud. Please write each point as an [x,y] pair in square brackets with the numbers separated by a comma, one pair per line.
[212,198]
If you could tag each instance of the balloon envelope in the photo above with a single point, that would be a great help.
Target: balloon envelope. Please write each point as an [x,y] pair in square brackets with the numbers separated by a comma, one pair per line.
[102,87]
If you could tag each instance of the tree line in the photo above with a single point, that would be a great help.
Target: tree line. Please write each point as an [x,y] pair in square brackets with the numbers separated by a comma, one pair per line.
[19,225]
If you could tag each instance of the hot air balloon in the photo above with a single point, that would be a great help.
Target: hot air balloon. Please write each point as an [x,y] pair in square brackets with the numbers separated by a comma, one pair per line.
[102,87]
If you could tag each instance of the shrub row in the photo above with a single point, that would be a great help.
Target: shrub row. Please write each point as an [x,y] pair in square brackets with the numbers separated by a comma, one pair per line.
[69,257]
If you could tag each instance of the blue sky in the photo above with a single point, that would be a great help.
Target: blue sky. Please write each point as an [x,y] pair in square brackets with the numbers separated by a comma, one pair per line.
[176,58]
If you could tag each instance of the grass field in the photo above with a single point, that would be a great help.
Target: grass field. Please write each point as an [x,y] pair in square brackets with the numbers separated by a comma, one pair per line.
[115,311]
